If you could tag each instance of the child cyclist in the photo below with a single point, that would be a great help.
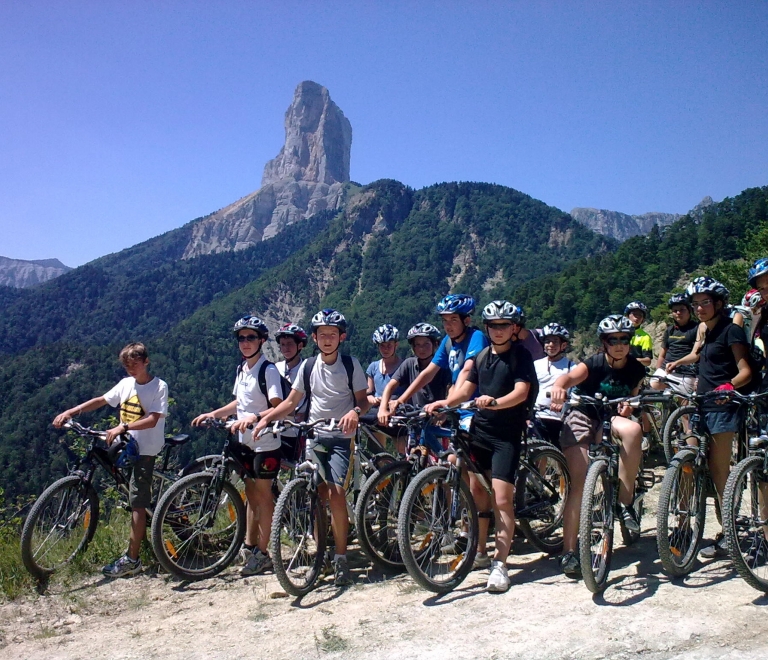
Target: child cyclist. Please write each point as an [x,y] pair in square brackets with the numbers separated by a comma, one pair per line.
[504,377]
[679,340]
[614,373]
[555,338]
[250,401]
[380,372]
[642,344]
[292,339]
[330,397]
[143,403]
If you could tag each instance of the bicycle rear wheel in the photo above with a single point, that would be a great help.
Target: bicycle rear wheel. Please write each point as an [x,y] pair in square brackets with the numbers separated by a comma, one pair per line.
[376,515]
[745,520]
[596,527]
[681,514]
[298,539]
[59,526]
[676,429]
[197,529]
[438,549]
[541,490]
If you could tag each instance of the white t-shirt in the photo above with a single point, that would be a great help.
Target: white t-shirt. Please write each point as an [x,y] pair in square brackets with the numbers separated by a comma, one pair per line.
[331,398]
[547,373]
[137,401]
[301,413]
[251,400]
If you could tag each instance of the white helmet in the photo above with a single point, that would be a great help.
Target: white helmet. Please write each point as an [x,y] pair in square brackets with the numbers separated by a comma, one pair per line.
[614,324]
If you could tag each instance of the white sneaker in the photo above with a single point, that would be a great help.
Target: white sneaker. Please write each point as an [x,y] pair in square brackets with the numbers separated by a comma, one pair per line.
[481,561]
[498,580]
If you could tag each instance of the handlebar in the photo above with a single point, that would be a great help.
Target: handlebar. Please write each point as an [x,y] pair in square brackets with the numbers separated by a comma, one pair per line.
[279,426]
[84,430]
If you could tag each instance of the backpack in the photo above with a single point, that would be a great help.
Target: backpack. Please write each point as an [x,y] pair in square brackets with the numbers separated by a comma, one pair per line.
[261,378]
[482,359]
[309,364]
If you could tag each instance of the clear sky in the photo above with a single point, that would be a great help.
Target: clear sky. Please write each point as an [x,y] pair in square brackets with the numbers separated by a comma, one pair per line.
[122,120]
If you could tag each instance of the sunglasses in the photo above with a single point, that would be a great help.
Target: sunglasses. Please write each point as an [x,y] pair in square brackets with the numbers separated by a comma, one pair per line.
[615,341]
[249,338]
[498,326]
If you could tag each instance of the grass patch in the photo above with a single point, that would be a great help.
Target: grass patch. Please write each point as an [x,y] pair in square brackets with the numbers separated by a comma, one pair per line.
[14,578]
[45,632]
[330,641]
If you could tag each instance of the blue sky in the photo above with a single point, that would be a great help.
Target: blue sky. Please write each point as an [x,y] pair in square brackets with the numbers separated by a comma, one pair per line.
[122,120]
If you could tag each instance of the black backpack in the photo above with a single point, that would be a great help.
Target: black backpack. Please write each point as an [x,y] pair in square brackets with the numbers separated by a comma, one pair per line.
[309,364]
[261,378]
[533,392]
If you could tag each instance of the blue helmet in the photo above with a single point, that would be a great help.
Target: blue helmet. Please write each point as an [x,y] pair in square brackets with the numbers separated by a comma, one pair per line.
[760,267]
[386,332]
[555,330]
[679,299]
[456,303]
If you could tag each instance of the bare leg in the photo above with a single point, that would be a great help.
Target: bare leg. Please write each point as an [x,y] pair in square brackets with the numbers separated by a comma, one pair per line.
[266,507]
[720,460]
[483,503]
[339,520]
[630,454]
[138,530]
[578,464]
[251,513]
[504,500]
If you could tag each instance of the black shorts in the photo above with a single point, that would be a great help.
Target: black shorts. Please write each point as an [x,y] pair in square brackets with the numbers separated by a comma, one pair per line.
[500,456]
[140,487]
[266,464]
[551,429]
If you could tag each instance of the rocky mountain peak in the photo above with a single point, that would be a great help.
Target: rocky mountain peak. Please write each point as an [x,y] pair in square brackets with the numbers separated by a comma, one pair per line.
[318,140]
[20,273]
[306,177]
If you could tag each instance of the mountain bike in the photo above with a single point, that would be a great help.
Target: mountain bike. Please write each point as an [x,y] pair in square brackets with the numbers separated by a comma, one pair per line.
[687,484]
[64,518]
[600,506]
[657,407]
[437,528]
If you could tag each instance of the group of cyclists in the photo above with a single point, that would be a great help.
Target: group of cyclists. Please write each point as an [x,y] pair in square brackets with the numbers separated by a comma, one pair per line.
[510,372]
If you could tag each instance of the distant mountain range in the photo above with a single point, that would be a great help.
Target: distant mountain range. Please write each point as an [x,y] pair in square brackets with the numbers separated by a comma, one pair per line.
[20,274]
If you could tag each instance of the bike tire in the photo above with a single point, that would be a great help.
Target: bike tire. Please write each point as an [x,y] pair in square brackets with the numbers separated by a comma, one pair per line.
[742,521]
[298,538]
[544,496]
[681,514]
[435,552]
[197,533]
[376,515]
[596,523]
[59,526]
[674,430]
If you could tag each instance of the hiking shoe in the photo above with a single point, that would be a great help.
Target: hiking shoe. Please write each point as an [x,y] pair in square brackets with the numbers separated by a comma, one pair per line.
[631,519]
[243,556]
[482,560]
[570,565]
[341,575]
[717,549]
[258,562]
[122,567]
[758,554]
[498,580]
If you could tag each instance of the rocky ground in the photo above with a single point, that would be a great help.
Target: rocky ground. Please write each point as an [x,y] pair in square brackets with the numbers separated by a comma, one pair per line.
[710,614]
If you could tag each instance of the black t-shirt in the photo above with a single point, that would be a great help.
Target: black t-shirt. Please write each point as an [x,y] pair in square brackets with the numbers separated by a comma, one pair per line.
[717,365]
[407,372]
[496,376]
[611,383]
[679,342]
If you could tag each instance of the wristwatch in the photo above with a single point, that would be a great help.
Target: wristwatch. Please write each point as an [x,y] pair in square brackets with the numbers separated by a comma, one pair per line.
[357,410]
[125,427]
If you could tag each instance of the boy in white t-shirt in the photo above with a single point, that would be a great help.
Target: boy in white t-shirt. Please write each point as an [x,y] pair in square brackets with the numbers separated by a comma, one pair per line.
[250,401]
[555,339]
[143,403]
[292,340]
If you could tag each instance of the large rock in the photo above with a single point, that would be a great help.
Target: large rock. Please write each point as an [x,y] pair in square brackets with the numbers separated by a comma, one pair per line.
[20,274]
[307,176]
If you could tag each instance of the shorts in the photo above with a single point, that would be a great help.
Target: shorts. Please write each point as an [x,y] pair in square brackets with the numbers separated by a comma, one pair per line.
[680,384]
[551,429]
[722,421]
[578,427]
[140,486]
[266,464]
[332,456]
[499,456]
[290,447]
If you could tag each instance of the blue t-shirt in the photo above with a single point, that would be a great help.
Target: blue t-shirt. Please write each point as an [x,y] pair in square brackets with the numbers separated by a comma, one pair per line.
[380,380]
[474,341]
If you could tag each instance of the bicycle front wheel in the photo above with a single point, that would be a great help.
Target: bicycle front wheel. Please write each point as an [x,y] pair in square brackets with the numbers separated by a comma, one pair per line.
[438,546]
[298,539]
[681,514]
[199,526]
[676,429]
[542,488]
[59,526]
[745,520]
[596,527]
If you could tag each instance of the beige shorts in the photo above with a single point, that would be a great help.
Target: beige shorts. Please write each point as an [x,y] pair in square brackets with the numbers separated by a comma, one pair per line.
[578,428]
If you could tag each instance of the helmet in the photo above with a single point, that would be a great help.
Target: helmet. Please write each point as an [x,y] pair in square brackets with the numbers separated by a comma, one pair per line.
[329,317]
[752,299]
[499,310]
[252,323]
[555,330]
[679,299]
[635,306]
[760,267]
[128,453]
[707,285]
[456,303]
[386,332]
[614,324]
[423,330]
[296,332]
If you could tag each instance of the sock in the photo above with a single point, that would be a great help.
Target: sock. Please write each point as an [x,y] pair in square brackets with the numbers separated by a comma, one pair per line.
[337,557]
[250,548]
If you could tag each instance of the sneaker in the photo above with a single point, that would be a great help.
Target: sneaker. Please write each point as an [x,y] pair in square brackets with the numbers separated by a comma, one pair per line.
[481,561]
[717,549]
[243,556]
[570,565]
[631,521]
[257,563]
[498,580]
[341,575]
[758,554]
[122,567]
[646,444]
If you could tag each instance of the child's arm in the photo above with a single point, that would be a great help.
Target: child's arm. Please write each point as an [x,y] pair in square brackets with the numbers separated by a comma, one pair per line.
[384,411]
[219,413]
[92,404]
[149,421]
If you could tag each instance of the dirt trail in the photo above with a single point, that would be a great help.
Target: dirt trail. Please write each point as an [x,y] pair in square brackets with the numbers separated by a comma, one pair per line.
[711,614]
